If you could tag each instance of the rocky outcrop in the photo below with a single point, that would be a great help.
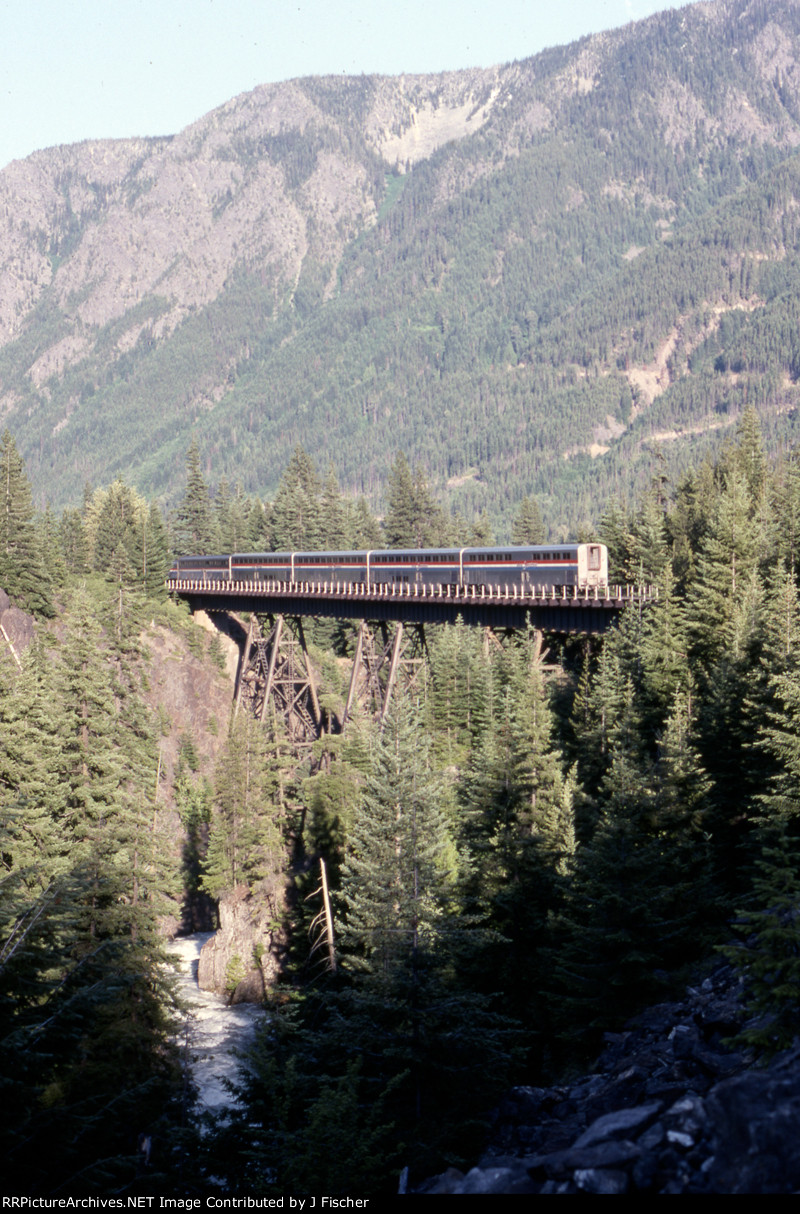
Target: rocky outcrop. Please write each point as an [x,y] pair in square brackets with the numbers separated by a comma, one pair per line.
[668,1109]
[16,628]
[243,959]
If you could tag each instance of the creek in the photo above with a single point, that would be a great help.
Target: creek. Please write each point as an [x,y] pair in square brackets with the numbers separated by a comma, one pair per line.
[213,1031]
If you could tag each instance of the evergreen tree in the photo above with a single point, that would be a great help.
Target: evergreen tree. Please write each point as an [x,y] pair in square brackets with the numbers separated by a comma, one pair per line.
[401,523]
[596,710]
[49,544]
[83,1000]
[296,517]
[664,653]
[413,518]
[22,572]
[768,955]
[785,487]
[727,568]
[152,553]
[74,547]
[481,534]
[115,533]
[528,526]
[688,521]
[332,529]
[616,533]
[247,837]
[640,886]
[364,529]
[194,526]
[649,554]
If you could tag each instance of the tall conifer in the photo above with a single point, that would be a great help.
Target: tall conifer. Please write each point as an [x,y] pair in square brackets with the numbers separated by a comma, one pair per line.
[22,572]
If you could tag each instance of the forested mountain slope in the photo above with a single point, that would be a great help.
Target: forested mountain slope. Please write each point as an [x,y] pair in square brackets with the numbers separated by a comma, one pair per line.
[540,277]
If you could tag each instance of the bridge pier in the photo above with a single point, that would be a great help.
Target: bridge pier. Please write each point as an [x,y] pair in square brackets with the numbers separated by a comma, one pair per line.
[380,661]
[275,672]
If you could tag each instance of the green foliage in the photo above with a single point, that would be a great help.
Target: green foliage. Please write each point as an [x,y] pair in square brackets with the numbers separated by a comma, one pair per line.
[247,841]
[195,529]
[22,571]
[768,955]
[559,838]
[86,1012]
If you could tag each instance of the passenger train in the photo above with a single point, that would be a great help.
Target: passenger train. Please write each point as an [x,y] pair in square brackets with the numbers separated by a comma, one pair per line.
[580,566]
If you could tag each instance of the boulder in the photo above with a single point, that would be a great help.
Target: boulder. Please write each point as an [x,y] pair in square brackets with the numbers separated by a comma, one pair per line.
[243,958]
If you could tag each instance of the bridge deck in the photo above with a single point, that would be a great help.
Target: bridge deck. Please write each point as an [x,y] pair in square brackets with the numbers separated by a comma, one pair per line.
[566,610]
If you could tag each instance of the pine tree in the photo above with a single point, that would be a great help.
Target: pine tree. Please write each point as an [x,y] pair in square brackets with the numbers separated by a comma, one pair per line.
[83,1000]
[22,572]
[649,555]
[401,523]
[296,510]
[688,521]
[115,534]
[247,837]
[481,534]
[332,529]
[413,518]
[528,526]
[72,535]
[768,956]
[785,537]
[664,653]
[596,711]
[194,531]
[364,528]
[400,936]
[30,748]
[152,553]
[617,533]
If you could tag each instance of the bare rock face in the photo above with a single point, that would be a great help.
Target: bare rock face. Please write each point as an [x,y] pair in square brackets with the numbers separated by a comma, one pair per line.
[18,626]
[243,958]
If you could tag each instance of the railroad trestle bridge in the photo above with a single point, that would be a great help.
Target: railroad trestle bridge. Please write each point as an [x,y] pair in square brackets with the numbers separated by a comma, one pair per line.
[274,667]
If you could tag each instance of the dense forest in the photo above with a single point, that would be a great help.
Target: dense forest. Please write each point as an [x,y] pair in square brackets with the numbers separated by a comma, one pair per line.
[546,834]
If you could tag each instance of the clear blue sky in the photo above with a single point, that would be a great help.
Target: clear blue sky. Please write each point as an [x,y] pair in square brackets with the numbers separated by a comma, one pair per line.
[90,69]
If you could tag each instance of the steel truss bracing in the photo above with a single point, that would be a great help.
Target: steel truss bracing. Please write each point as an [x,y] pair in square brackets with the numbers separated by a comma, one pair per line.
[276,677]
[494,640]
[381,660]
[275,674]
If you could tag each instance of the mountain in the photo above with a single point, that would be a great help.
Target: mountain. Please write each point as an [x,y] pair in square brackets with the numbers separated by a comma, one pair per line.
[555,276]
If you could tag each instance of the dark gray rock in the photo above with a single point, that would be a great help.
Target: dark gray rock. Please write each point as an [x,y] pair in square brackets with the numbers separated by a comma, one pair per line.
[497,1180]
[593,1181]
[620,1124]
[754,1120]
[666,1109]
[604,1155]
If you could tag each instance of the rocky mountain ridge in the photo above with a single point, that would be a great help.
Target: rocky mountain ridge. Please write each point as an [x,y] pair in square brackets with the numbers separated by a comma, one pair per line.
[328,261]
